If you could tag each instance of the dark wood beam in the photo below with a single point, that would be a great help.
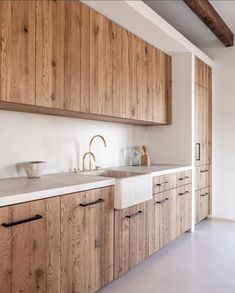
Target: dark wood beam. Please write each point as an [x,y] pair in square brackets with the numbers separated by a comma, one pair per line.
[207,13]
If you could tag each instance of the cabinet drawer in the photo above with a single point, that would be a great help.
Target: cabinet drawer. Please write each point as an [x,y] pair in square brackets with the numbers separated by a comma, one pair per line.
[183,178]
[202,206]
[202,177]
[163,183]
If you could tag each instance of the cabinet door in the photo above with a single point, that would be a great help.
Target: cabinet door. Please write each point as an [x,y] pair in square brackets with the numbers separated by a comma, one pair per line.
[87,240]
[31,250]
[58,58]
[202,206]
[183,209]
[164,218]
[199,125]
[202,177]
[17,51]
[130,238]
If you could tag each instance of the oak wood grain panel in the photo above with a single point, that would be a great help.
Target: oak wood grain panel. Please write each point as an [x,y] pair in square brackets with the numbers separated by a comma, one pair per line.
[20,250]
[151,89]
[37,248]
[5,251]
[85,58]
[97,62]
[121,242]
[17,51]
[67,243]
[187,208]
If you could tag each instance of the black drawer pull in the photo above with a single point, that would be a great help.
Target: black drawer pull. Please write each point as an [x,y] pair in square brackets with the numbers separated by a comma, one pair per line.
[183,178]
[204,171]
[36,217]
[163,183]
[183,193]
[92,203]
[134,215]
[205,194]
[162,201]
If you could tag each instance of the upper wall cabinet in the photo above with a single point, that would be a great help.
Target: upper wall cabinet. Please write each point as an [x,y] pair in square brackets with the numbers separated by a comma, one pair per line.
[69,59]
[17,51]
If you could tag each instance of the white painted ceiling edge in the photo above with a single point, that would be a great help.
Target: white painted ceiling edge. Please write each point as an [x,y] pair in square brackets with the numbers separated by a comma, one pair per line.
[141,20]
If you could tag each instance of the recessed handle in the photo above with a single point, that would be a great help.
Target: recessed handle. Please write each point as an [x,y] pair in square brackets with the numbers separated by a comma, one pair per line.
[36,217]
[135,214]
[204,194]
[92,203]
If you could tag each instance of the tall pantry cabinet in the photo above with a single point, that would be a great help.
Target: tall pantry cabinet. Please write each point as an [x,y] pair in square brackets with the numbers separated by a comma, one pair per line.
[203,136]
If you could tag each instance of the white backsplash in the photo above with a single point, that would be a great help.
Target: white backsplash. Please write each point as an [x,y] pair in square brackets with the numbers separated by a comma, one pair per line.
[61,142]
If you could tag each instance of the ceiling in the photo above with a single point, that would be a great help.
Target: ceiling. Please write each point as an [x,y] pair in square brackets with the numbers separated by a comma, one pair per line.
[180,16]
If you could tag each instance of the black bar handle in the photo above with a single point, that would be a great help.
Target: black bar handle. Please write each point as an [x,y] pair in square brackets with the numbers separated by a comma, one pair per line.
[36,217]
[181,178]
[92,203]
[198,157]
[163,183]
[183,193]
[203,171]
[162,201]
[134,215]
[205,194]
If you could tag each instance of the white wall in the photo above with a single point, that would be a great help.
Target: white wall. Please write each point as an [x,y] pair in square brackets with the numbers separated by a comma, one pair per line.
[173,144]
[61,142]
[224,132]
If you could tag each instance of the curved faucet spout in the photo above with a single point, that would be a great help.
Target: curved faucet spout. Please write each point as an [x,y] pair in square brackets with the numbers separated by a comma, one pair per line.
[84,157]
[90,144]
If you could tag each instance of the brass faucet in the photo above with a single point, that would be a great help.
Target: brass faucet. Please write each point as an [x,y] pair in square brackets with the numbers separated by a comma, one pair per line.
[90,144]
[83,160]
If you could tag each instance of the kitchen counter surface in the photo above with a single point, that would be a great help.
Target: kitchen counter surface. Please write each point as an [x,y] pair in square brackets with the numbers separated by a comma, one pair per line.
[156,169]
[19,190]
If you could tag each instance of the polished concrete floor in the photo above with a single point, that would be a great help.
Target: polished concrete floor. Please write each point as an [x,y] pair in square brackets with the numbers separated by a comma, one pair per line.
[202,262]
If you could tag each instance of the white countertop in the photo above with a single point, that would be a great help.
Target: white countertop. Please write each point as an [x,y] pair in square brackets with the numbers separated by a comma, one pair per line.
[19,190]
[156,170]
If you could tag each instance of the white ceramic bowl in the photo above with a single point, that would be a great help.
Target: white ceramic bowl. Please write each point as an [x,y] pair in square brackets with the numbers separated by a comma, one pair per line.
[34,169]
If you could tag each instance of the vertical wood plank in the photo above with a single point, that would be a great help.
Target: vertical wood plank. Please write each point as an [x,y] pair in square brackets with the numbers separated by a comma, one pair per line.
[17,51]
[85,58]
[5,251]
[37,245]
[67,243]
[20,250]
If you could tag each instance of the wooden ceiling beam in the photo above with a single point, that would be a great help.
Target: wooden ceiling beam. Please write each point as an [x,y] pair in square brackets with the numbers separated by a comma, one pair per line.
[207,13]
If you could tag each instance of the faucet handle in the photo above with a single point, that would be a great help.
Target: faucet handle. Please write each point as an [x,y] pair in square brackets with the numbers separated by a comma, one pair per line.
[76,170]
[97,167]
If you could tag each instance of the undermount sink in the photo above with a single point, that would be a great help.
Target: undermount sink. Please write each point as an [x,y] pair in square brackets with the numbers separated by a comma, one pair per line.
[130,187]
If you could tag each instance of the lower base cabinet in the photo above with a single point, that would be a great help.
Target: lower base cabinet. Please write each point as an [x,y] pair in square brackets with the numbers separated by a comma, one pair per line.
[183,209]
[202,206]
[61,244]
[130,238]
[164,218]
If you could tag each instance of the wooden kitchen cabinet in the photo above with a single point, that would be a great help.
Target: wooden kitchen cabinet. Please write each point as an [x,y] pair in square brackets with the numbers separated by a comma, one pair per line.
[203,114]
[202,206]
[17,51]
[183,209]
[130,238]
[202,177]
[58,54]
[87,240]
[30,251]
[70,60]
[164,218]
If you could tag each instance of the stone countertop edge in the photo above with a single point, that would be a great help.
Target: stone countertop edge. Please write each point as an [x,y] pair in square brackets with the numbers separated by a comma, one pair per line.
[31,192]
